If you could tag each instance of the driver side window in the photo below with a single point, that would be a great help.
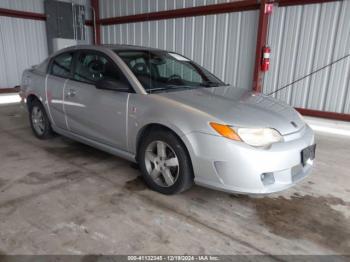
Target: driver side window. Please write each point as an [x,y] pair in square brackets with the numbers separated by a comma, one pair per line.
[92,67]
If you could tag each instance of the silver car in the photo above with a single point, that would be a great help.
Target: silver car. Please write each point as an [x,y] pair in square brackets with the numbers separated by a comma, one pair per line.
[179,122]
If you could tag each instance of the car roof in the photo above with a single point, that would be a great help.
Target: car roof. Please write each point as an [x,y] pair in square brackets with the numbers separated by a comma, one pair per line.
[131,47]
[114,47]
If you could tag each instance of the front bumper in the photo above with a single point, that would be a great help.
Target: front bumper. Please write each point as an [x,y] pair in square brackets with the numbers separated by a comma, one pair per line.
[234,166]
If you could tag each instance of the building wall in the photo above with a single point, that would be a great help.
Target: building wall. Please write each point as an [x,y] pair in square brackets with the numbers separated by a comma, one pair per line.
[304,39]
[112,8]
[23,41]
[36,6]
[224,44]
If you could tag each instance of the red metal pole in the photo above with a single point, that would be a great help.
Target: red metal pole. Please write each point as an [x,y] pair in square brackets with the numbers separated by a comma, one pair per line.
[260,42]
[96,13]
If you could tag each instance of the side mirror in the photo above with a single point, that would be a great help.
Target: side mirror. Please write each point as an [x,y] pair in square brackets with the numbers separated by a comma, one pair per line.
[115,85]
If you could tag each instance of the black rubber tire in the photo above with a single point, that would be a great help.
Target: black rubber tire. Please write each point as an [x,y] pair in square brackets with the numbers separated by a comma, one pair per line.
[48,132]
[186,177]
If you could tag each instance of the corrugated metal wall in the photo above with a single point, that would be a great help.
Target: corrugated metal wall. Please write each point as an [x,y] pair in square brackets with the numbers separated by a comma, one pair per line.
[224,44]
[23,44]
[23,41]
[304,39]
[36,6]
[112,8]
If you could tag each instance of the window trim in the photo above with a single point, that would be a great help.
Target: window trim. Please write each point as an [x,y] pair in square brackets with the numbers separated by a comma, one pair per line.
[106,56]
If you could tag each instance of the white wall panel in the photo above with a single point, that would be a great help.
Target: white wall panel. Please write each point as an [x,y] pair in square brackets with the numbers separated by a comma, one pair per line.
[22,44]
[304,39]
[36,6]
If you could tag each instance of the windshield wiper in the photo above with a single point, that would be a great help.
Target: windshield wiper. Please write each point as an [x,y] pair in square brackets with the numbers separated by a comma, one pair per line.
[209,84]
[172,87]
[212,84]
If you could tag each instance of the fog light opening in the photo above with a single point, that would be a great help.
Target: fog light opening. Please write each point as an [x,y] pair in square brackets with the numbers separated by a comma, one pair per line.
[267,178]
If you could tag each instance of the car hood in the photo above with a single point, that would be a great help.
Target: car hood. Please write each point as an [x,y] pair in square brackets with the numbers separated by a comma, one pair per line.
[240,107]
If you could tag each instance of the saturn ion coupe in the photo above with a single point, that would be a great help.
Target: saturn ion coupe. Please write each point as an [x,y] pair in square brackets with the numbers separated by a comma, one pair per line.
[179,122]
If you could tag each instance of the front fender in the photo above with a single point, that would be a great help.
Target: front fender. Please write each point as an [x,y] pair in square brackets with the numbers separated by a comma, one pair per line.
[144,110]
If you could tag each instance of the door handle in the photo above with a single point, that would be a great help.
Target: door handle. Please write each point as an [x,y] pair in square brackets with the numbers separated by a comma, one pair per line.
[71,93]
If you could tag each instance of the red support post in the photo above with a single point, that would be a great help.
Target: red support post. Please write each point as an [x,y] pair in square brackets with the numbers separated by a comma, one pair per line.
[260,42]
[97,29]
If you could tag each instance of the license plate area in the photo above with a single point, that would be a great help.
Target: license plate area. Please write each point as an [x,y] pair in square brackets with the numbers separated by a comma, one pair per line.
[308,153]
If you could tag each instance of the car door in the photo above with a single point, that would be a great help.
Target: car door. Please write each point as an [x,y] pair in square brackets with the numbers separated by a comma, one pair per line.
[97,114]
[58,73]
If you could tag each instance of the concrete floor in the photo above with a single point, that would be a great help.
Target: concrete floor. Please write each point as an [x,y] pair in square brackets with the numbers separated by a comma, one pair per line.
[62,197]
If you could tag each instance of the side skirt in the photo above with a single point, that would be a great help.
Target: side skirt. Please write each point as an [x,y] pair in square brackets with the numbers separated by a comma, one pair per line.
[114,151]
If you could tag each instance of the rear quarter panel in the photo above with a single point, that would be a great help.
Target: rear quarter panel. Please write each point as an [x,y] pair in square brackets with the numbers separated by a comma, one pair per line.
[33,83]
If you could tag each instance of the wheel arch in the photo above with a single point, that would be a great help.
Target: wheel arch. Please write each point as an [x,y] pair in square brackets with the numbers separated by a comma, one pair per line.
[30,99]
[144,131]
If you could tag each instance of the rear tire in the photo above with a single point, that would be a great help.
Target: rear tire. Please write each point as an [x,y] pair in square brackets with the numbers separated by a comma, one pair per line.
[39,121]
[165,164]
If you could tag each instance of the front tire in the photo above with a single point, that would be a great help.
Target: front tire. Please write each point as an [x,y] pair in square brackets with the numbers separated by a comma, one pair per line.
[165,164]
[39,121]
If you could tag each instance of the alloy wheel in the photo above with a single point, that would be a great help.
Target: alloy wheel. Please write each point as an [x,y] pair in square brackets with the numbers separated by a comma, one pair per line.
[38,120]
[162,163]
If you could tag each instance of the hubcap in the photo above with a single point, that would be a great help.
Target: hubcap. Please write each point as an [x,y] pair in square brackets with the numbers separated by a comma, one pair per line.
[38,120]
[162,163]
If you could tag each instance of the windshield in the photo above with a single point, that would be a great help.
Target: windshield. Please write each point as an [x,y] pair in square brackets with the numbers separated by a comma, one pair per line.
[161,70]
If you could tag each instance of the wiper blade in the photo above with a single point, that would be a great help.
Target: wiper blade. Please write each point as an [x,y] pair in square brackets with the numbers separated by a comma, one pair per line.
[212,84]
[168,88]
[209,84]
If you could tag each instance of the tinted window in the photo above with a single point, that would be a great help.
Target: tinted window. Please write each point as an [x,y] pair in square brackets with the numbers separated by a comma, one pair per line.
[160,70]
[92,67]
[61,65]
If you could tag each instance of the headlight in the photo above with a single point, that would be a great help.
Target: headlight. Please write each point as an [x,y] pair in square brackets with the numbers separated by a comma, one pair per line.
[225,131]
[259,136]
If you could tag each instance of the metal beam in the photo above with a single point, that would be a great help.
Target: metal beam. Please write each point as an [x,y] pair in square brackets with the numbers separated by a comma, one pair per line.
[184,12]
[22,14]
[29,15]
[323,114]
[9,90]
[302,2]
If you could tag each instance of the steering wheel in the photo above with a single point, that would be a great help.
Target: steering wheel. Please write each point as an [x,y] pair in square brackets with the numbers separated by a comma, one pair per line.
[139,68]
[96,66]
[174,78]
